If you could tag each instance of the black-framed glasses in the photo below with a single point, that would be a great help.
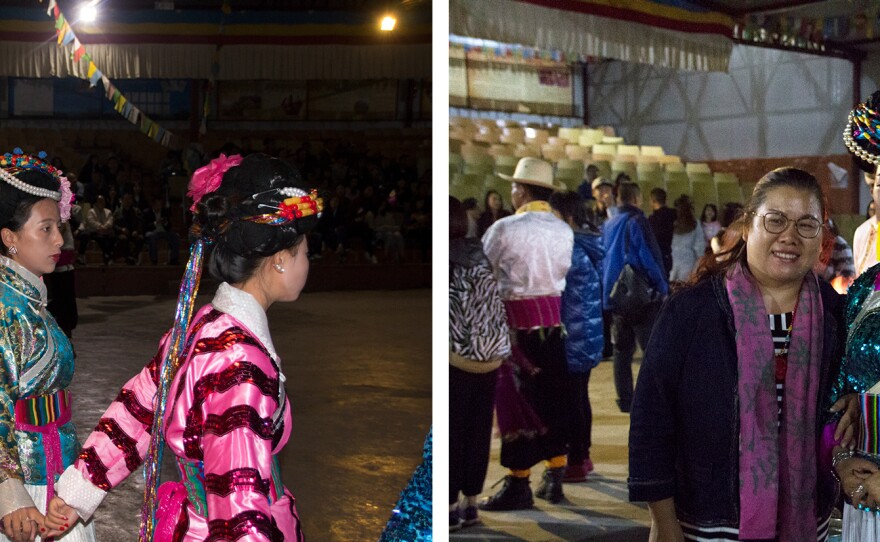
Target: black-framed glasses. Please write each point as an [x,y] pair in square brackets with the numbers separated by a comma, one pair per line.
[776,222]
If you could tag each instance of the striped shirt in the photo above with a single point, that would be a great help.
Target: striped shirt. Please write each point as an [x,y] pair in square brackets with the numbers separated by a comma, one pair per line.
[779,330]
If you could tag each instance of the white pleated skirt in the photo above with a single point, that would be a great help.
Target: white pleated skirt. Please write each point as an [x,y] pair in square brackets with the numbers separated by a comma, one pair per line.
[859,526]
[78,533]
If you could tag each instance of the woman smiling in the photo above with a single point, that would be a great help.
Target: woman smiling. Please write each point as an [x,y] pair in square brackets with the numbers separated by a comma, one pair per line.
[728,415]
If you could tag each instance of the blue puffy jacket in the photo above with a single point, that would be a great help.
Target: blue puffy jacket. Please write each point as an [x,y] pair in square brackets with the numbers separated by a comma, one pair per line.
[644,252]
[582,303]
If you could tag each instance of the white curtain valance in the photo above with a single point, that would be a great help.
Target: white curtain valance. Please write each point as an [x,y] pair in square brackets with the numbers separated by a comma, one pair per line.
[510,21]
[245,62]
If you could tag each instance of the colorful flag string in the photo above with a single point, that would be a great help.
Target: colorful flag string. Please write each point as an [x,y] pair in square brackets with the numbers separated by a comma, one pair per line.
[121,104]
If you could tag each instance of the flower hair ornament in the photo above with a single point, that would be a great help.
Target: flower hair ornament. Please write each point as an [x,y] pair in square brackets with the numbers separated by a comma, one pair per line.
[207,178]
[17,162]
[297,204]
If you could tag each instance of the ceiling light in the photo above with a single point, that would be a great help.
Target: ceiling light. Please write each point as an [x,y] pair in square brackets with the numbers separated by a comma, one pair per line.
[388,23]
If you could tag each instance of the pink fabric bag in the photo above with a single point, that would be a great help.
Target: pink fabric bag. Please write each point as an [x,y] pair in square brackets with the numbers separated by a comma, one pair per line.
[172,499]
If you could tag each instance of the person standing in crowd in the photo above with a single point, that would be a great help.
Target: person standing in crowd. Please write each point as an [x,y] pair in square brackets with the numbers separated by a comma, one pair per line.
[586,188]
[731,212]
[709,222]
[627,238]
[662,221]
[472,210]
[494,210]
[39,439]
[530,253]
[688,241]
[835,264]
[582,318]
[478,342]
[221,406]
[157,226]
[603,194]
[60,283]
[865,238]
[730,411]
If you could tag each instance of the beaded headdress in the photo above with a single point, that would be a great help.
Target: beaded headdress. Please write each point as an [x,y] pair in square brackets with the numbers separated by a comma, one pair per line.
[297,204]
[862,133]
[17,161]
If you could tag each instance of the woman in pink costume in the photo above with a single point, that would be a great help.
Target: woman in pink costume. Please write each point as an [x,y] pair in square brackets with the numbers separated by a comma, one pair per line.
[214,393]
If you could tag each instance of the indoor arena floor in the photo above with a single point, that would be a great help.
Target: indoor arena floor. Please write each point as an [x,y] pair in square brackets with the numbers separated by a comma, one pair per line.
[358,370]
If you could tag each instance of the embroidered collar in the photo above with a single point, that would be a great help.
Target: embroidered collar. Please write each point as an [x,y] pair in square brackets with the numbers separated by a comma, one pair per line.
[245,308]
[23,281]
[537,205]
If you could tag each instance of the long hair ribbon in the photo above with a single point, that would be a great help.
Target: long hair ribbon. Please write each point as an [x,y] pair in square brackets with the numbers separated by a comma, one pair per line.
[189,288]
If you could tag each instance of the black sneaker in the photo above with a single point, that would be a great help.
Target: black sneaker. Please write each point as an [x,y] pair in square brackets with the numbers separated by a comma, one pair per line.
[471,516]
[551,485]
[515,494]
[455,522]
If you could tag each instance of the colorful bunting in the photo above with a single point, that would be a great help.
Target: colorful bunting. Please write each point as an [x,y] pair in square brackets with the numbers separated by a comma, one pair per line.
[120,103]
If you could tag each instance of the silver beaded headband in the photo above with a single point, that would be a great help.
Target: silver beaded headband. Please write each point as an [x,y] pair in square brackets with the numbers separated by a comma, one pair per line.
[854,147]
[29,189]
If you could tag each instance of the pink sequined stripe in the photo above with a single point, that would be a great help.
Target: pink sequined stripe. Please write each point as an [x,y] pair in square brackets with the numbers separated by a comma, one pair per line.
[250,522]
[194,329]
[145,416]
[534,312]
[227,340]
[97,469]
[236,480]
[238,373]
[238,417]
[121,440]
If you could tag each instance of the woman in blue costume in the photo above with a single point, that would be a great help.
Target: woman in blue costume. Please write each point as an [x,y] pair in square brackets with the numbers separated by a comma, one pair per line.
[411,518]
[37,438]
[859,469]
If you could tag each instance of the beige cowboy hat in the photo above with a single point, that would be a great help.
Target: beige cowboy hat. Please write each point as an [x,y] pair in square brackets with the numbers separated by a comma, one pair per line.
[535,172]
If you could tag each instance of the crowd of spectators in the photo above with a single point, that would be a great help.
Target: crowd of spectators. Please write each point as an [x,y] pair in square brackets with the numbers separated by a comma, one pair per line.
[376,207]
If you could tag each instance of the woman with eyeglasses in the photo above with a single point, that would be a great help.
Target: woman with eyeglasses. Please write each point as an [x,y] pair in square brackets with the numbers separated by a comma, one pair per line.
[731,404]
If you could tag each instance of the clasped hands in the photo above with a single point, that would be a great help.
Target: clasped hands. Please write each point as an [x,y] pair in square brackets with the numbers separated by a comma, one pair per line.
[25,524]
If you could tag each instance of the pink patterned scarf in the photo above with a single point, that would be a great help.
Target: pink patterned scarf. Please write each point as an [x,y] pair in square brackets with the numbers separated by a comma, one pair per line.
[777,464]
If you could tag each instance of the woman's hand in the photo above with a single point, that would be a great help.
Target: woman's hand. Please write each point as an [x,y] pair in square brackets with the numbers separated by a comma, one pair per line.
[59,517]
[854,475]
[845,430]
[24,524]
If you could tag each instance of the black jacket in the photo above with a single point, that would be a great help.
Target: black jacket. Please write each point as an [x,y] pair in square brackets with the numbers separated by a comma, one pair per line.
[684,432]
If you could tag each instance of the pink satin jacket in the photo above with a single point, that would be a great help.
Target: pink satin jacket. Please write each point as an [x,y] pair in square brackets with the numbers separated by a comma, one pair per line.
[226,419]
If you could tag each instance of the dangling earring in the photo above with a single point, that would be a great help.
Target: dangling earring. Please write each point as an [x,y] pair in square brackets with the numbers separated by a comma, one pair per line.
[278,267]
[13,250]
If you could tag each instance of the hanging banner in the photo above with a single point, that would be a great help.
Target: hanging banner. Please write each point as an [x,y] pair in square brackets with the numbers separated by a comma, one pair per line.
[120,103]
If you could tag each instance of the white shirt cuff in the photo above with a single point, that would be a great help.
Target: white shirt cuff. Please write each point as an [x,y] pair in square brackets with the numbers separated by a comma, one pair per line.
[13,496]
[79,493]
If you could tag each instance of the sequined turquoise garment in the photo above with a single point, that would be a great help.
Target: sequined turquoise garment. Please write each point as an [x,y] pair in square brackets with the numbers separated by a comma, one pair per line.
[860,368]
[411,519]
[37,359]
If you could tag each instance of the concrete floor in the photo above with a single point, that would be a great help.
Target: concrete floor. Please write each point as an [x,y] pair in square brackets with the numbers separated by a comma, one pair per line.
[358,367]
[595,510]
